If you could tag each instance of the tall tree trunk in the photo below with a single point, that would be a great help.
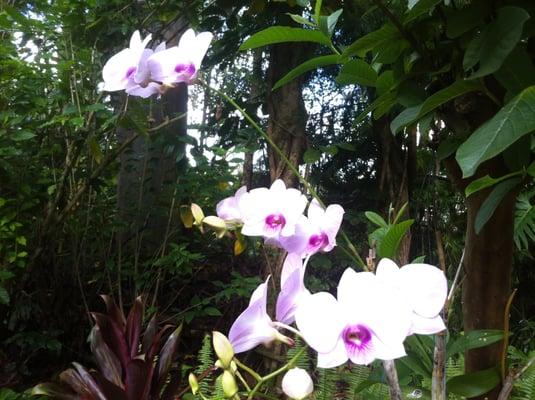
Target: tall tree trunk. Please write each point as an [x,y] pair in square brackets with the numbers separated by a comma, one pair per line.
[488,256]
[287,114]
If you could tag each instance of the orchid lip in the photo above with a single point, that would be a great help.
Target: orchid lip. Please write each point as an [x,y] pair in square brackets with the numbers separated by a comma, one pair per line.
[356,338]
[130,72]
[188,69]
[318,241]
[275,221]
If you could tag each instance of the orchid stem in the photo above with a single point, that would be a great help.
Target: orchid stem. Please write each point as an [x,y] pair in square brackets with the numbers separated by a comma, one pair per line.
[240,377]
[288,328]
[353,253]
[273,374]
[254,374]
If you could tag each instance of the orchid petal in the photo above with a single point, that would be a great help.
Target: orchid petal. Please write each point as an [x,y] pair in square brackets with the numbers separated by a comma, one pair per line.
[388,270]
[320,321]
[426,288]
[337,356]
[144,92]
[116,68]
[427,326]
[293,262]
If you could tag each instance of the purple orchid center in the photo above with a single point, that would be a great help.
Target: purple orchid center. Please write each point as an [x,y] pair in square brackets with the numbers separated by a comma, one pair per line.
[187,69]
[356,338]
[275,221]
[130,72]
[318,241]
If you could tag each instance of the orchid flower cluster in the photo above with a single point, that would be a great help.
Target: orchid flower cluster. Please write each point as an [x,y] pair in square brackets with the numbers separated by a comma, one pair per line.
[372,313]
[142,72]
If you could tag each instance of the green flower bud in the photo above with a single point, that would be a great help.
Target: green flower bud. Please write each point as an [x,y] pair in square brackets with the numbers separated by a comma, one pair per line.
[223,349]
[193,383]
[230,388]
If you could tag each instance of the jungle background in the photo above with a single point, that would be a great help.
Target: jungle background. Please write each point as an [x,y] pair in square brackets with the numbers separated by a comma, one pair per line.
[93,184]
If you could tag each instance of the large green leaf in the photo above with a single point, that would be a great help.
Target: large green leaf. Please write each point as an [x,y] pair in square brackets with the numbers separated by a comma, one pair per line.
[517,72]
[357,72]
[492,201]
[475,383]
[422,7]
[372,40]
[485,182]
[308,65]
[514,120]
[467,18]
[376,218]
[283,34]
[473,340]
[413,114]
[500,39]
[388,247]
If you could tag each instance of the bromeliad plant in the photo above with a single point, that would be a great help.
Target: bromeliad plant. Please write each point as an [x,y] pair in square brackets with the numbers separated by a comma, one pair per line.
[130,365]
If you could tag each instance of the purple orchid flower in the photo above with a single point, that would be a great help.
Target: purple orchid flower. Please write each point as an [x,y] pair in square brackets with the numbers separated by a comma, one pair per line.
[424,286]
[315,233]
[367,321]
[228,209]
[293,289]
[128,70]
[180,63]
[254,326]
[272,213]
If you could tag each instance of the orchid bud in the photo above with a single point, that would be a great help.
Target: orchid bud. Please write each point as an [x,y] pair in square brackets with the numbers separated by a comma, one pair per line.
[297,384]
[219,226]
[230,388]
[198,214]
[223,349]
[193,383]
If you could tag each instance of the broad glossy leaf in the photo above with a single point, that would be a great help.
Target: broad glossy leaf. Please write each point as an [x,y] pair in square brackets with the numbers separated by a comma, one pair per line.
[485,182]
[473,340]
[449,93]
[327,23]
[301,20]
[372,40]
[54,391]
[422,7]
[467,18]
[133,327]
[357,72]
[405,118]
[376,218]
[283,34]
[514,120]
[390,51]
[107,361]
[517,72]
[110,390]
[389,246]
[138,379]
[492,201]
[167,355]
[474,384]
[156,341]
[308,65]
[113,336]
[113,311]
[148,336]
[311,156]
[500,39]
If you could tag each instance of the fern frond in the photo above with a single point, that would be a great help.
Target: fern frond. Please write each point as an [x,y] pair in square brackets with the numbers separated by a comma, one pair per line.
[303,361]
[205,360]
[524,388]
[524,232]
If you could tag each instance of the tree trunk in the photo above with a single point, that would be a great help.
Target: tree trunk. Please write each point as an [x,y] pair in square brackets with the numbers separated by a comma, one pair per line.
[287,114]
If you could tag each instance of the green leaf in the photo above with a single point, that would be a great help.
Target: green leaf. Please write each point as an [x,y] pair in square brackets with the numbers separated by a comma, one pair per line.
[357,72]
[472,53]
[467,18]
[475,383]
[441,97]
[423,6]
[473,340]
[390,243]
[485,182]
[418,260]
[524,231]
[376,219]
[301,20]
[283,34]
[405,118]
[372,40]
[311,156]
[492,201]
[514,120]
[390,51]
[500,39]
[328,23]
[4,295]
[385,82]
[20,136]
[308,65]
[212,311]
[517,72]
[381,102]
[376,237]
